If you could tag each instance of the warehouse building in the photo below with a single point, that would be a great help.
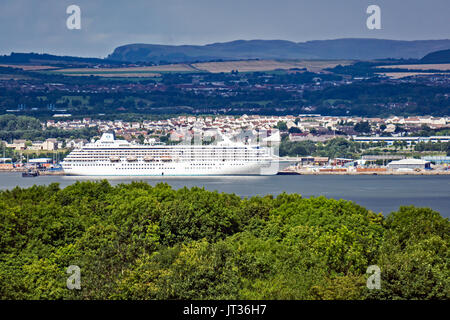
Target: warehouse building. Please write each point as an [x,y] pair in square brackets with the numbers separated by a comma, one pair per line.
[409,164]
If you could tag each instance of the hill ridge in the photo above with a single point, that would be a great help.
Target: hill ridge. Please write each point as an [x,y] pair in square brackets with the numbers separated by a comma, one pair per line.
[344,48]
[442,56]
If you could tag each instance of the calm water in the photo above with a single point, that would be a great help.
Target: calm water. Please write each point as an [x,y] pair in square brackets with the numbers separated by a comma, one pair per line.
[379,193]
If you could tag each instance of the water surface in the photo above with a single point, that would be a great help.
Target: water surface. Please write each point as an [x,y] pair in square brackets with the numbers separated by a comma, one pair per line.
[378,193]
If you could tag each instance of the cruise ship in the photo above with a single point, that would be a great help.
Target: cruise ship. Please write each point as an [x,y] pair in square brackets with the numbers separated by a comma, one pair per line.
[110,157]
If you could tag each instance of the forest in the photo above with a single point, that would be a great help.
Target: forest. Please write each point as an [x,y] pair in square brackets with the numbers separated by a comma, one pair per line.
[334,148]
[137,241]
[30,128]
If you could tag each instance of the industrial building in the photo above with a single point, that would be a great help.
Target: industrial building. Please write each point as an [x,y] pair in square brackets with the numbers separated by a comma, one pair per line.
[409,164]
[437,159]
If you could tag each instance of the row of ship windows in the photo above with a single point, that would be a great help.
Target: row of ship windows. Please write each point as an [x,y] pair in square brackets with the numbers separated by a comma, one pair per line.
[173,150]
[169,154]
[93,164]
[141,168]
[164,149]
[167,149]
[178,160]
[172,155]
[110,164]
[150,165]
[185,157]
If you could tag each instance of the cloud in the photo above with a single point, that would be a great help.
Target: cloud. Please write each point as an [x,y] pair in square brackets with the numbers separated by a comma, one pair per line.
[39,26]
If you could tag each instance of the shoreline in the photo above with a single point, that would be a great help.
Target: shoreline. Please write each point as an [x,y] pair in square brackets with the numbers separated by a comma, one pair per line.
[393,173]
[379,193]
[299,173]
[42,173]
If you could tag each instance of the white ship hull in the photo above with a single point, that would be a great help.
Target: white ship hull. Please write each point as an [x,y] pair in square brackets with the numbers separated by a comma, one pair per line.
[110,157]
[175,169]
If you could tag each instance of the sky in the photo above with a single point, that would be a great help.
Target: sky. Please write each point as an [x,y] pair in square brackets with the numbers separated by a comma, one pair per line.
[40,25]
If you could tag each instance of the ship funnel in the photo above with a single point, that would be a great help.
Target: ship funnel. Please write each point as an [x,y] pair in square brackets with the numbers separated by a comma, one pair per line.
[107,137]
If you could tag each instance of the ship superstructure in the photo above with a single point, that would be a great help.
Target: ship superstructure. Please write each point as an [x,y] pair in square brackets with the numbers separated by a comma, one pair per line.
[110,157]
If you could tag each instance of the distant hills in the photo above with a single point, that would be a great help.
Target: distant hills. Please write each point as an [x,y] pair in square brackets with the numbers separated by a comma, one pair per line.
[358,49]
[424,51]
[442,56]
[44,59]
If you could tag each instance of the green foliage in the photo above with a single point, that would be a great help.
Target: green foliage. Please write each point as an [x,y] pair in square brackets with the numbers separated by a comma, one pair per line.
[339,148]
[334,148]
[135,241]
[281,125]
[293,149]
[430,146]
[362,127]
[294,130]
[415,254]
[197,270]
[10,122]
[29,128]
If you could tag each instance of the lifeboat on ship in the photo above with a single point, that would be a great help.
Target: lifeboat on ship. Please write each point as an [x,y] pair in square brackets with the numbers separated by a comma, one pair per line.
[114,159]
[131,159]
[166,158]
[149,159]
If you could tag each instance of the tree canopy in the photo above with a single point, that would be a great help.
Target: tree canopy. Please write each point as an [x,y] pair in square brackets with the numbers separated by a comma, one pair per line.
[137,241]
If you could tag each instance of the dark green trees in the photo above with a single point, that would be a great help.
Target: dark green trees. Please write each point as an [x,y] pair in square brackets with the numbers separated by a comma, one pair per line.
[135,241]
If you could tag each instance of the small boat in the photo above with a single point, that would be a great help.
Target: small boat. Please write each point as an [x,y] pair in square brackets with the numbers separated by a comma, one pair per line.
[30,173]
[288,173]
